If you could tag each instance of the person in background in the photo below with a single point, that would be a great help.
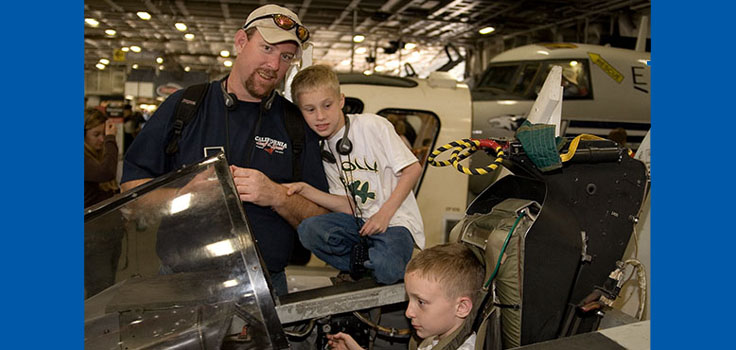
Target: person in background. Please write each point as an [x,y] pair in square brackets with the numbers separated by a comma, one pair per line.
[101,247]
[251,132]
[443,283]
[618,135]
[100,157]
[131,125]
[370,185]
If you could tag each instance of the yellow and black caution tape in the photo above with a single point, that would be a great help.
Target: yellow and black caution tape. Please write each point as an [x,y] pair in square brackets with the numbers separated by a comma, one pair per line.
[574,145]
[459,144]
[464,148]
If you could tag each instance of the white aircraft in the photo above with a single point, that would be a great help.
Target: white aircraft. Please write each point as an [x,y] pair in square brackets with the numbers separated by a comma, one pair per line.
[604,88]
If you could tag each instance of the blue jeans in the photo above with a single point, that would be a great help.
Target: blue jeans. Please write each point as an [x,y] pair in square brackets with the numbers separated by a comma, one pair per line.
[331,238]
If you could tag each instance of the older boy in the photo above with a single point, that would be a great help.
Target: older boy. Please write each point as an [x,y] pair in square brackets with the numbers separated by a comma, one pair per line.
[443,283]
[371,174]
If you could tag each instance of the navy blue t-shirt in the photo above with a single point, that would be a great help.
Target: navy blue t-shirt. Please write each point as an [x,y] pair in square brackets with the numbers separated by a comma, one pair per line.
[205,135]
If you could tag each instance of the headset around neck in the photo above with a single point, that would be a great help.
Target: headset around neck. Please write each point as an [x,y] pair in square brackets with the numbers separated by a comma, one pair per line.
[231,103]
[343,146]
[231,100]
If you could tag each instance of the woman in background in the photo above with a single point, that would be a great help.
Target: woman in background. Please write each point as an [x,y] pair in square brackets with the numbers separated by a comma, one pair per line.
[101,246]
[100,157]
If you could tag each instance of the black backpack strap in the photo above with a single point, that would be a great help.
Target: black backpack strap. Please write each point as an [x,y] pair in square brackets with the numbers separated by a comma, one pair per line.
[185,111]
[294,123]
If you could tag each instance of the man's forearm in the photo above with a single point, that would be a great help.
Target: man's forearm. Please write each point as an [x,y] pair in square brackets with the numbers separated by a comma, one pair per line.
[297,208]
[125,186]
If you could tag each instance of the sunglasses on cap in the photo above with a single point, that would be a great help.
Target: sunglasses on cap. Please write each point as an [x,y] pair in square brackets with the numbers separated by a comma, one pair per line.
[286,23]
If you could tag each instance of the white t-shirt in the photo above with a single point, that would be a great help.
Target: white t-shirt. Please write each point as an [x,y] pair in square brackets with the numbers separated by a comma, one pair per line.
[468,344]
[373,169]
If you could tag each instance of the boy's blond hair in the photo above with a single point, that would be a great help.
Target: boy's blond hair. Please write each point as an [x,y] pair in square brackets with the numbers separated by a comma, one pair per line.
[452,265]
[314,77]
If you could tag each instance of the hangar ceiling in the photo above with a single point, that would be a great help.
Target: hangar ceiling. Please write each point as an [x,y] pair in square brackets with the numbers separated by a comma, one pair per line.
[430,24]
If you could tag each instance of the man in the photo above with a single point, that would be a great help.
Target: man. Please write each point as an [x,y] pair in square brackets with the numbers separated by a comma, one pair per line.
[251,132]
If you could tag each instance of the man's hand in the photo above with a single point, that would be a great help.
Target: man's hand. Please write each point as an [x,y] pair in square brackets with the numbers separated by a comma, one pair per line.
[255,187]
[342,341]
[378,223]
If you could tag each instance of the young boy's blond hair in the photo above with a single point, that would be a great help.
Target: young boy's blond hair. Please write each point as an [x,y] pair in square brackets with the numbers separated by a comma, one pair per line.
[314,77]
[453,266]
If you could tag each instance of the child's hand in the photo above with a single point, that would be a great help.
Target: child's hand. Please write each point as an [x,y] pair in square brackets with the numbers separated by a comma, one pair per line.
[377,223]
[294,187]
[342,341]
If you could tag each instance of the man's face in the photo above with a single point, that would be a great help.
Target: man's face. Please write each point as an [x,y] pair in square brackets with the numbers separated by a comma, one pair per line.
[322,109]
[431,311]
[261,66]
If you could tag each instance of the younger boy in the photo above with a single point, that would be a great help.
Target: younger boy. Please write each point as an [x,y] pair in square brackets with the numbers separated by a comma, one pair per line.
[443,283]
[371,174]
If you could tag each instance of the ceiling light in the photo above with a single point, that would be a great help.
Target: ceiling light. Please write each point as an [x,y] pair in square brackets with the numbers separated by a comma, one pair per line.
[104,61]
[542,52]
[573,63]
[92,22]
[361,50]
[135,48]
[110,32]
[368,72]
[143,15]
[379,69]
[135,66]
[180,26]
[159,60]
[225,53]
[358,38]
[187,68]
[410,46]
[100,66]
[161,67]
[189,36]
[486,30]
[125,49]
[228,63]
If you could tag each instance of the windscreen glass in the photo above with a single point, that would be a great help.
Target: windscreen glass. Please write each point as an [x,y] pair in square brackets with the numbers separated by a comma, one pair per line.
[174,262]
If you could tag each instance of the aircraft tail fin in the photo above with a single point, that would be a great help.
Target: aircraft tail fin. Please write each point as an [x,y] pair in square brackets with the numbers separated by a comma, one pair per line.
[547,109]
[641,38]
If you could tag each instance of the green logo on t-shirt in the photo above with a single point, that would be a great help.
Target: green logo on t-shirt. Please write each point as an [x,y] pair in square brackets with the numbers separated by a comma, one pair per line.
[363,192]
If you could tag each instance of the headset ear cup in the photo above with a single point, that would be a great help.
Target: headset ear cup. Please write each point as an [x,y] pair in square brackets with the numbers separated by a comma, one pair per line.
[231,102]
[344,146]
[328,157]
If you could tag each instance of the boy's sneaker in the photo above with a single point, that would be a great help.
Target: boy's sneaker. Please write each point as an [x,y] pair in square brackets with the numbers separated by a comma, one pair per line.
[342,277]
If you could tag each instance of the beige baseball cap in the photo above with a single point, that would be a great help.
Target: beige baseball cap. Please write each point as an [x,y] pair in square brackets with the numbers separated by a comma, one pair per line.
[270,31]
